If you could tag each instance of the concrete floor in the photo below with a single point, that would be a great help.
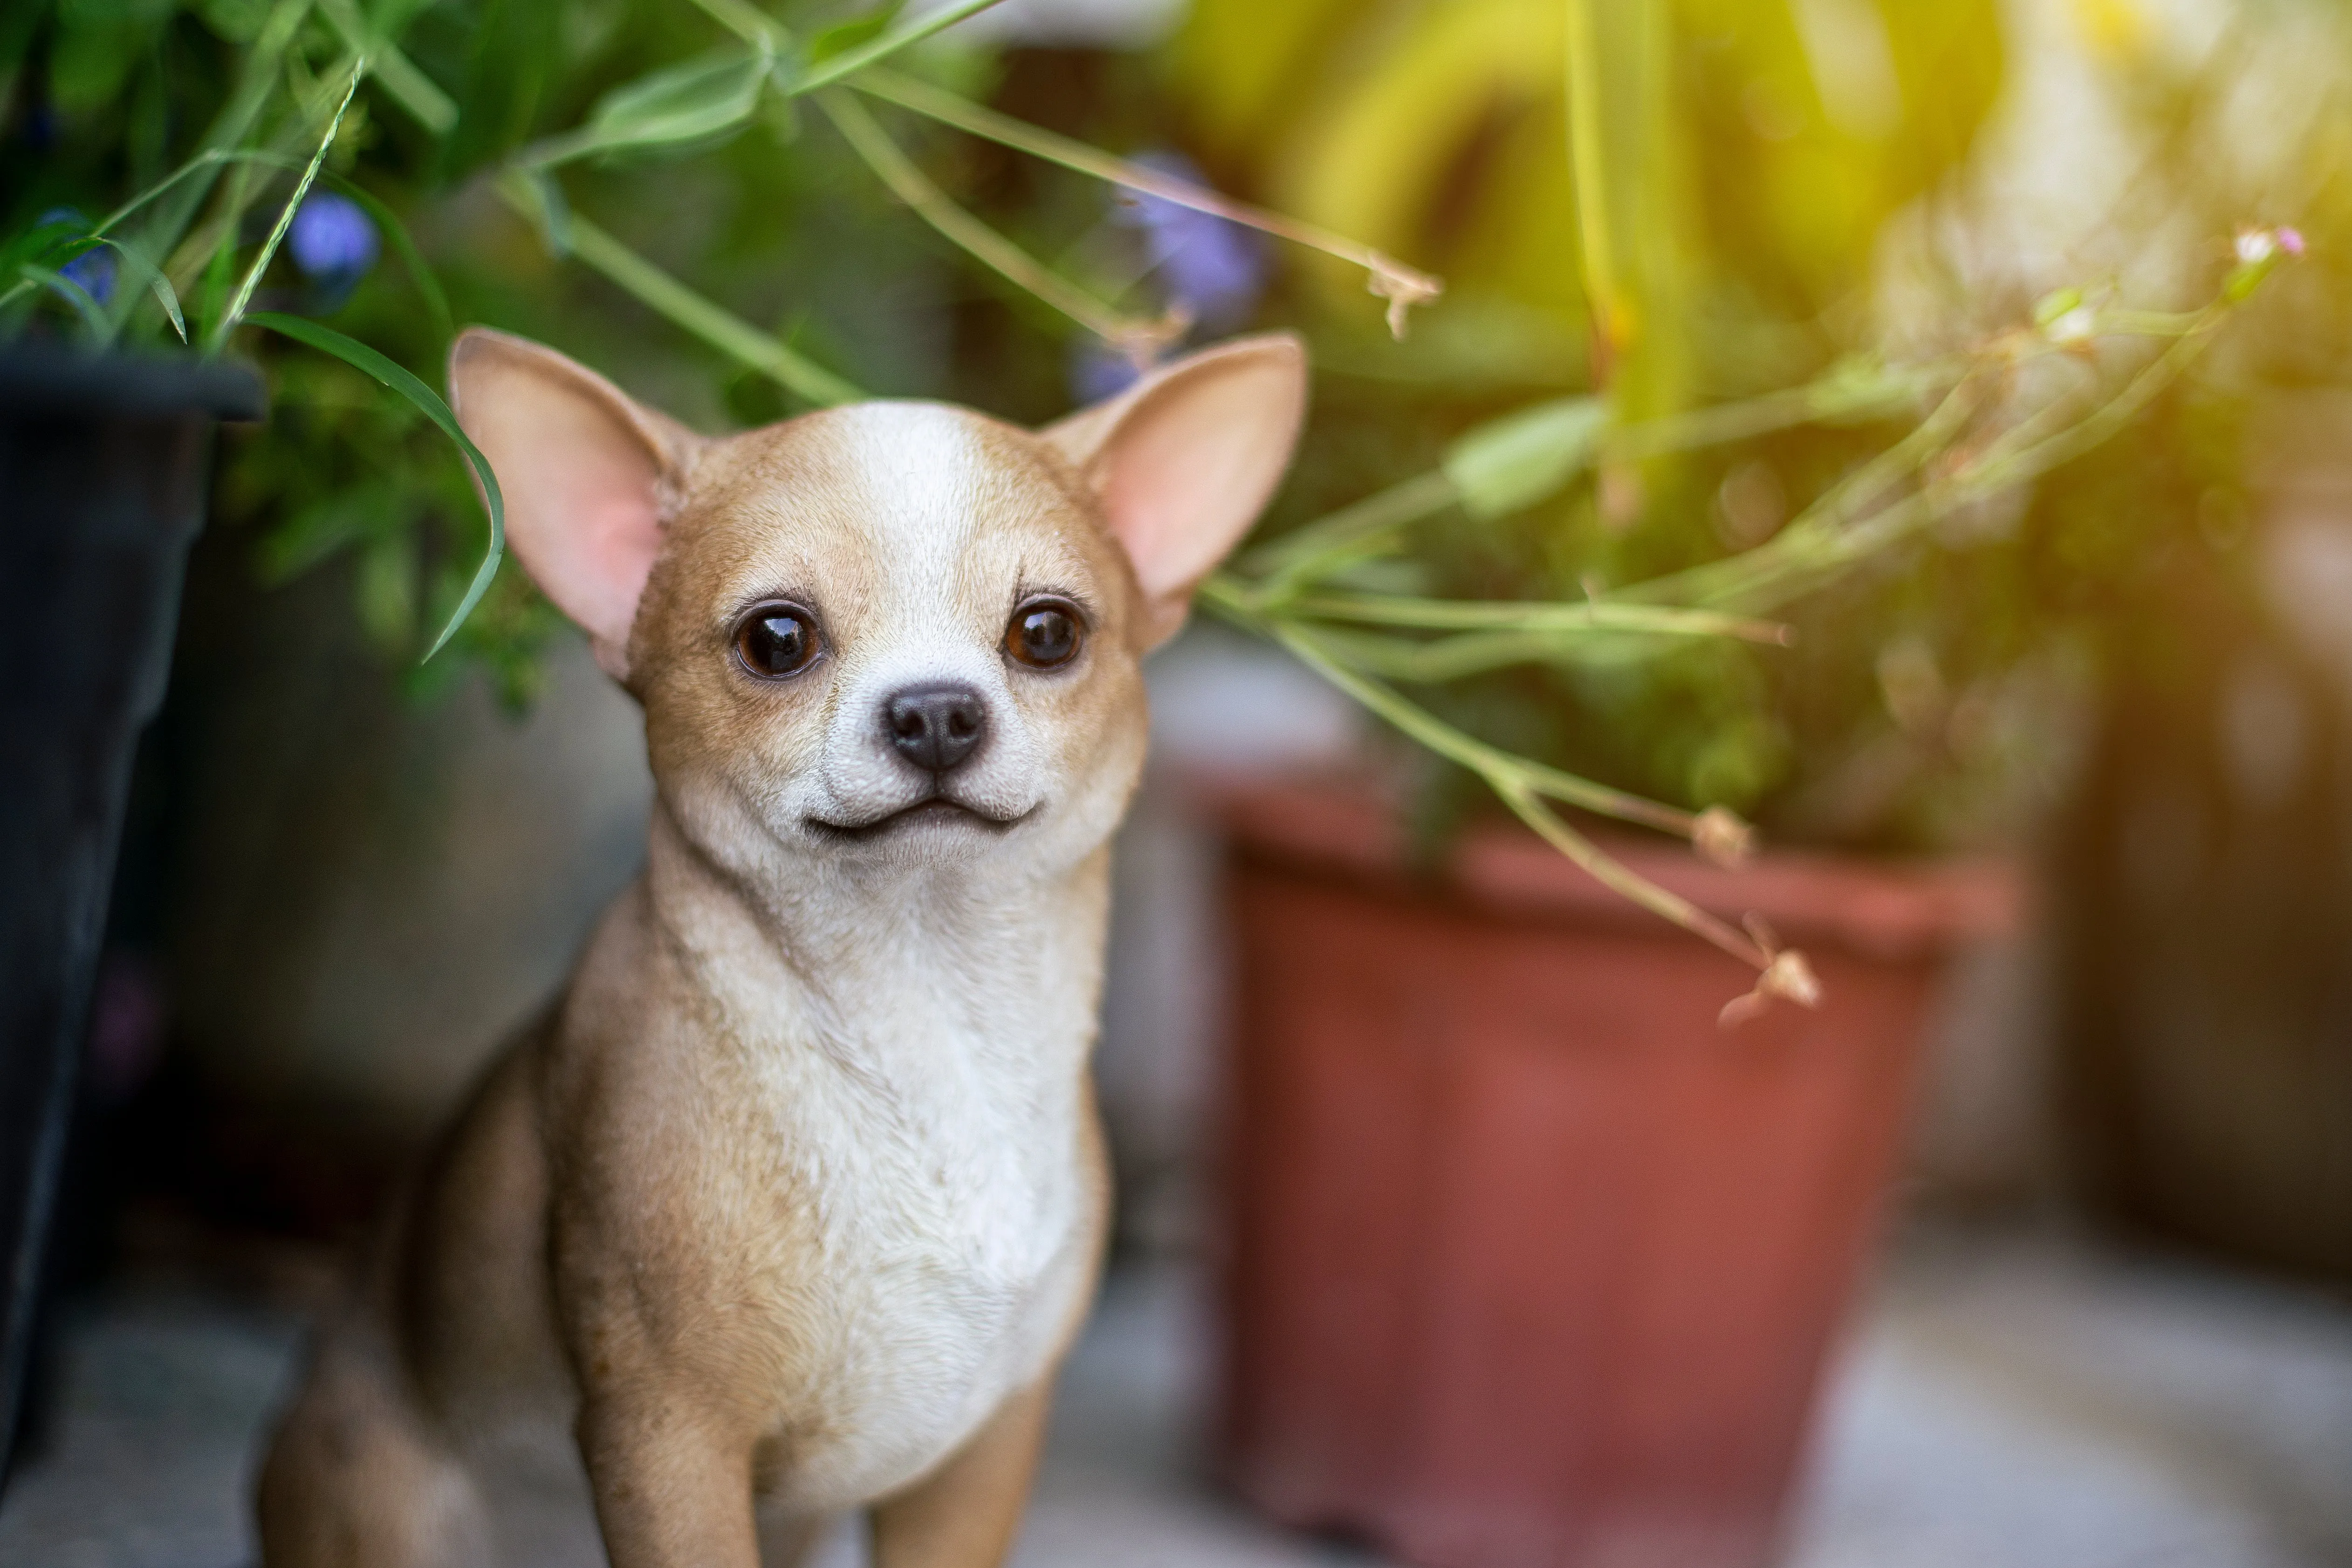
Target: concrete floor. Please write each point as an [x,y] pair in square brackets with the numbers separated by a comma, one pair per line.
[2009,1400]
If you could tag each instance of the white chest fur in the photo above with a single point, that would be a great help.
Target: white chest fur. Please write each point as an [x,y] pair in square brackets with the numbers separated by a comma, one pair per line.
[951,1232]
[932,1112]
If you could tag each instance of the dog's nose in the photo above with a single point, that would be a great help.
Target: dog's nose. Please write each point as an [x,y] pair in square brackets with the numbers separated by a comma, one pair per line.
[935,727]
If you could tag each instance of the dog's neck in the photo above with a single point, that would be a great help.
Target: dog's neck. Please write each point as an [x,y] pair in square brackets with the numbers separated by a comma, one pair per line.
[886,964]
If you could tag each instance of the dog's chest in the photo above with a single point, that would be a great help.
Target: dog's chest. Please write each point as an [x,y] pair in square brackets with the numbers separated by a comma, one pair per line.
[944,1238]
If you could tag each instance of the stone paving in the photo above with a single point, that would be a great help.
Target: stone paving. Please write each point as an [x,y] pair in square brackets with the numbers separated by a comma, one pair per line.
[2009,1400]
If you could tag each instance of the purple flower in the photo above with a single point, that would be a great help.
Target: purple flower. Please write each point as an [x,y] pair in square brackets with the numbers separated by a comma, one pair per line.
[1212,268]
[93,270]
[332,241]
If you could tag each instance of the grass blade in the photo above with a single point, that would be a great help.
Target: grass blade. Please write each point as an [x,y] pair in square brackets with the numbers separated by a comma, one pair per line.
[1140,340]
[244,296]
[256,80]
[157,284]
[1403,287]
[366,360]
[397,74]
[721,329]
[1509,463]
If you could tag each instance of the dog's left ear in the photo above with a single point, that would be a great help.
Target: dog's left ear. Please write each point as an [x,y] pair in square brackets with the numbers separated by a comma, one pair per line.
[1183,461]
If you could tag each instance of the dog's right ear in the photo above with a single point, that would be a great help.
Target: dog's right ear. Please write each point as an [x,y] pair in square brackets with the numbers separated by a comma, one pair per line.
[590,477]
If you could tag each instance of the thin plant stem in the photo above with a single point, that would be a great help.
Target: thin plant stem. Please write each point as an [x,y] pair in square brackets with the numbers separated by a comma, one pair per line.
[243,295]
[852,61]
[1996,469]
[256,81]
[722,329]
[748,21]
[1403,287]
[891,164]
[1219,597]
[1510,779]
[1840,527]
[1438,659]
[1369,526]
[1750,579]
[1349,533]
[1591,615]
[1748,418]
[1629,884]
[410,87]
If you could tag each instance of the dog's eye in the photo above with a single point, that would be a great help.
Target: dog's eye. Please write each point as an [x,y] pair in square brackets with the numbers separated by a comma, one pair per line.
[1044,634]
[777,639]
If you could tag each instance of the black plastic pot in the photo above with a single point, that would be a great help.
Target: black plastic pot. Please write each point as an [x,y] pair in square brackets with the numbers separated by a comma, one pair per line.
[102,477]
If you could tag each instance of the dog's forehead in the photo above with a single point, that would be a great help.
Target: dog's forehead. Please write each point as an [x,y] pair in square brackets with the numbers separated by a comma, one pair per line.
[919,490]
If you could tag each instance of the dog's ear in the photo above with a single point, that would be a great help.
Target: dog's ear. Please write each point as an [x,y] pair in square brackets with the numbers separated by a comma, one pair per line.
[589,477]
[1183,461]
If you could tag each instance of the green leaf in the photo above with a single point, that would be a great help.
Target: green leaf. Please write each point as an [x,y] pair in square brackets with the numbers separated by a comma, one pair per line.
[844,37]
[360,357]
[153,275]
[543,202]
[1516,461]
[703,98]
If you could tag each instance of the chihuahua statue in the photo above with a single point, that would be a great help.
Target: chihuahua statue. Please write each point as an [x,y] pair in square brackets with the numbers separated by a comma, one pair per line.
[791,1205]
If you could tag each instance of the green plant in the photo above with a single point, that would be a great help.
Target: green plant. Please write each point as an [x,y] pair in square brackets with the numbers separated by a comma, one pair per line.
[703,166]
[1893,513]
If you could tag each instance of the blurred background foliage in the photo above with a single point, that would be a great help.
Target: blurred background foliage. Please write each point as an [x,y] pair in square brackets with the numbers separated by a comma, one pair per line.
[1727,221]
[1791,186]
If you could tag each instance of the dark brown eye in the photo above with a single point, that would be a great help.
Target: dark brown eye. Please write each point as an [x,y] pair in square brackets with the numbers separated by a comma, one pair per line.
[1043,635]
[777,639]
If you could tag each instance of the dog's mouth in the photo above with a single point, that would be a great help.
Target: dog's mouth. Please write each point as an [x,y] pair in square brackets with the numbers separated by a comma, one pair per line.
[932,810]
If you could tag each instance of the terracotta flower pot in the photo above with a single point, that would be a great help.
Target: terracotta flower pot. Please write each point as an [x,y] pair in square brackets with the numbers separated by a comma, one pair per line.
[1532,1265]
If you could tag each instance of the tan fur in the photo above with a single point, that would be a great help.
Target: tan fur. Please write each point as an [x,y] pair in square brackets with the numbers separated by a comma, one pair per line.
[792,1202]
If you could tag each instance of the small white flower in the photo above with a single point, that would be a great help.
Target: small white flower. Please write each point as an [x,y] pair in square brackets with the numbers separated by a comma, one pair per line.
[2255,245]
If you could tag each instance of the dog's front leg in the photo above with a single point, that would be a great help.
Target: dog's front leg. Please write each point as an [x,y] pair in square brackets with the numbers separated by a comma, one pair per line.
[673,1487]
[965,1514]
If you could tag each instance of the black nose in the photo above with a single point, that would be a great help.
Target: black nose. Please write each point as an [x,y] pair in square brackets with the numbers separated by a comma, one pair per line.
[935,727]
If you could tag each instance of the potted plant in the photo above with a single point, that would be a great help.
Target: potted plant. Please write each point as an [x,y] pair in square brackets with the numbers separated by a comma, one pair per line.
[1532,1261]
[103,462]
[107,445]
